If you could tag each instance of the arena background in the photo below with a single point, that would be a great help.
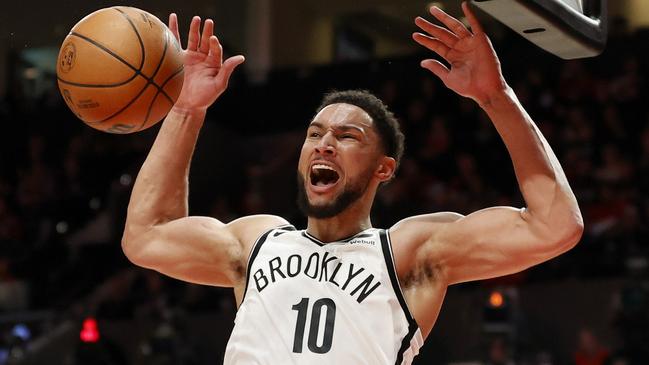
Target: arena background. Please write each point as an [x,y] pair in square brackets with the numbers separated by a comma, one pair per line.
[69,296]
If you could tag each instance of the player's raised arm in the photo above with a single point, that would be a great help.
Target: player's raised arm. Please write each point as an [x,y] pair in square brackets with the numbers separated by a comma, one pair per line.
[499,240]
[158,233]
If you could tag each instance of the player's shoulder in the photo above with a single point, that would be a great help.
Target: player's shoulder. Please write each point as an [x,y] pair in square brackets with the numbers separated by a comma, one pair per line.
[247,229]
[420,227]
[259,220]
[417,221]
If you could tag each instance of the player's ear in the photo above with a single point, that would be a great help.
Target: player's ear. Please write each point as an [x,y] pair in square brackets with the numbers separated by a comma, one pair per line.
[386,168]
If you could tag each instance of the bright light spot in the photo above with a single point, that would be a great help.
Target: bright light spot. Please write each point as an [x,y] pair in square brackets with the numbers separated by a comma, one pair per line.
[89,331]
[62,227]
[21,331]
[496,299]
[31,73]
[125,179]
[439,4]
[578,5]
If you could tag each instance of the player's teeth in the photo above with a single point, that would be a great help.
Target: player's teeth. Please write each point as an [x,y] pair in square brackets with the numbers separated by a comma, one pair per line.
[319,166]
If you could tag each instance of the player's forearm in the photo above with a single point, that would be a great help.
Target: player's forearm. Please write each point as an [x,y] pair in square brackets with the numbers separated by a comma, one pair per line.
[161,188]
[543,183]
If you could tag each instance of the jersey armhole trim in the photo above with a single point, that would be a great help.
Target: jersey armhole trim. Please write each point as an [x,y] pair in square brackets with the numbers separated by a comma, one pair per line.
[255,250]
[413,327]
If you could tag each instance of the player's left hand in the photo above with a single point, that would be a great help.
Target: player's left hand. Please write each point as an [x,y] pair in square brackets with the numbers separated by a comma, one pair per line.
[474,70]
[206,73]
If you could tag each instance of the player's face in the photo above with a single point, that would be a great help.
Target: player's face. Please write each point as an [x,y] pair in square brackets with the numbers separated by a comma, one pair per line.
[338,160]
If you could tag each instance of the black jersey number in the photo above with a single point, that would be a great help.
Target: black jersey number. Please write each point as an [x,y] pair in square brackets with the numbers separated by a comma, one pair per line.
[314,328]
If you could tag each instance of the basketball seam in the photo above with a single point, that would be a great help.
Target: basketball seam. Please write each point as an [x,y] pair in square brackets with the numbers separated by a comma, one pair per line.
[152,81]
[149,79]
[124,107]
[179,70]
[107,50]
[162,58]
[139,38]
[163,85]
[97,85]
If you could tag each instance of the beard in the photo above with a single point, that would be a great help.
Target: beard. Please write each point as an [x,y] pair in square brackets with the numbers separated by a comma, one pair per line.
[350,194]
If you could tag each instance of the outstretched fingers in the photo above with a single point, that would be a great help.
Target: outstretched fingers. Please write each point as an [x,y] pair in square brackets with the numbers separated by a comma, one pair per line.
[476,27]
[208,32]
[194,35]
[215,54]
[436,31]
[451,23]
[228,67]
[173,26]
[437,68]
[215,59]
[433,44]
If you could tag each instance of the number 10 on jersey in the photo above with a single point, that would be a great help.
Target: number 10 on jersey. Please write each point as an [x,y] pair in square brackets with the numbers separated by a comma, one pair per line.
[314,327]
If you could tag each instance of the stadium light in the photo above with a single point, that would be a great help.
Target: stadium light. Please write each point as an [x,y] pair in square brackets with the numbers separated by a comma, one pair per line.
[89,331]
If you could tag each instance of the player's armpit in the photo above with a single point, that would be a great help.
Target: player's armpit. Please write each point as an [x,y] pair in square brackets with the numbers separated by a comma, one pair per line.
[410,238]
[200,250]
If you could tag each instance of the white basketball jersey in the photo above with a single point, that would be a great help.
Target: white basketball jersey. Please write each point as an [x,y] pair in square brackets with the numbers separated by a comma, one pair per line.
[307,302]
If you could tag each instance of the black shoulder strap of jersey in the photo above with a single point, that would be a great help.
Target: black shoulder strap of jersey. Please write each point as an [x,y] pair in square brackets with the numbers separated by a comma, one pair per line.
[255,250]
[389,262]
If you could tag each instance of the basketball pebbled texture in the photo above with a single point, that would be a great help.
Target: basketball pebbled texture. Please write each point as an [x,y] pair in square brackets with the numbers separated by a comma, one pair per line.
[120,69]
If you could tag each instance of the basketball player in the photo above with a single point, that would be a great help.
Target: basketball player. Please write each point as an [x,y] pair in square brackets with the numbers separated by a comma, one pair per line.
[341,291]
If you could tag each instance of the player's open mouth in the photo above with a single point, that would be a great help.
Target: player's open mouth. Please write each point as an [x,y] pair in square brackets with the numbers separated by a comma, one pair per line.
[323,175]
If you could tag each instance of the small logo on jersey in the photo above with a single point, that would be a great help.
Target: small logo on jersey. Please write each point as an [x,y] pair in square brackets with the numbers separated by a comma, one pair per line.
[361,241]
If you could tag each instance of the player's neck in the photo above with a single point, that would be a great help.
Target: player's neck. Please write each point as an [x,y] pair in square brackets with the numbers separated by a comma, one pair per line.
[355,218]
[343,225]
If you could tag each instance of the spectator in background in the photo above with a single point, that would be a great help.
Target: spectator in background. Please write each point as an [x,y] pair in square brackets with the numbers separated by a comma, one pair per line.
[14,293]
[499,353]
[11,229]
[632,317]
[589,350]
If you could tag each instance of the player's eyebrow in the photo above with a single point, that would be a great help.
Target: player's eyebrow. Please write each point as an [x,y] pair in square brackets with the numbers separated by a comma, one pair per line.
[316,124]
[344,127]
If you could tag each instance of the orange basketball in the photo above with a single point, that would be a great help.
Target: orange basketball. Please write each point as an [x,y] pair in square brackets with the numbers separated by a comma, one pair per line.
[120,70]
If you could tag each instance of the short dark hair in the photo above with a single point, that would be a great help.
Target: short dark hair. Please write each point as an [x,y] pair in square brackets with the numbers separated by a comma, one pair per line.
[387,126]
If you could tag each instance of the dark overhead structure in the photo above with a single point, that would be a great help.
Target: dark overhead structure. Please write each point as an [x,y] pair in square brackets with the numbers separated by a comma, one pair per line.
[566,28]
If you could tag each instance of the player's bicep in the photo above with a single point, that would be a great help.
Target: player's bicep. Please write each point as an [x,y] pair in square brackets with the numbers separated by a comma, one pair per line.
[195,249]
[492,242]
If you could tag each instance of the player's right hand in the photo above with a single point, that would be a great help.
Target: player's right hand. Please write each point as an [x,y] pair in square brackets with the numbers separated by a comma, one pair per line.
[474,69]
[206,74]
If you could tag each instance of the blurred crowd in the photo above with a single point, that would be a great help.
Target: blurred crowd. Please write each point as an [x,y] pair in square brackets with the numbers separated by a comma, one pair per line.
[64,187]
